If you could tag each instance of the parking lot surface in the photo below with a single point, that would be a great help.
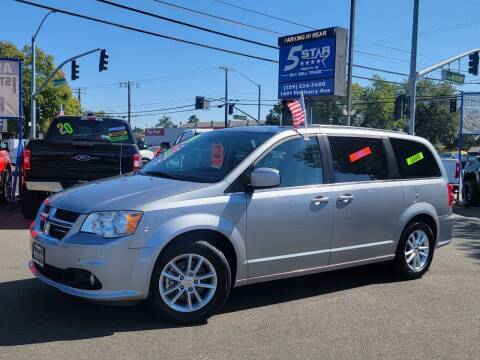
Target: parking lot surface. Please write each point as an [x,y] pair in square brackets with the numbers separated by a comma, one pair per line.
[361,313]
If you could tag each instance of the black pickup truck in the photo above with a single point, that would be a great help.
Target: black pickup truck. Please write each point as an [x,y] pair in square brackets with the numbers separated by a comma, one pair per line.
[75,150]
[471,182]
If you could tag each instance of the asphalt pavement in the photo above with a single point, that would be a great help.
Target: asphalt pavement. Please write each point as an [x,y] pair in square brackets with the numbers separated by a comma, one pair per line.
[361,313]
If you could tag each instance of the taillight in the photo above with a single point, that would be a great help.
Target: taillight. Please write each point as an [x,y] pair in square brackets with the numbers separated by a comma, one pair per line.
[136,162]
[26,160]
[457,170]
[450,194]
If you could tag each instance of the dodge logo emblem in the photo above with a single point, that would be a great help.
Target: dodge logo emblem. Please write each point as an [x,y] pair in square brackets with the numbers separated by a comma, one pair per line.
[83,157]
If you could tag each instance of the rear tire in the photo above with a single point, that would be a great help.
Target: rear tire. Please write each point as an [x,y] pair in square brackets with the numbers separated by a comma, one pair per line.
[468,193]
[414,251]
[30,203]
[5,186]
[177,295]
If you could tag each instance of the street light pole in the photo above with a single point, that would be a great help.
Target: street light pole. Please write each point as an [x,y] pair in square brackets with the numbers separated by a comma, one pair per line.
[412,84]
[259,92]
[226,93]
[350,61]
[33,101]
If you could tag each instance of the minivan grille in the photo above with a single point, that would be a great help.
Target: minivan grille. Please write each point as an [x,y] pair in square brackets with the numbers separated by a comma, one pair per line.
[57,223]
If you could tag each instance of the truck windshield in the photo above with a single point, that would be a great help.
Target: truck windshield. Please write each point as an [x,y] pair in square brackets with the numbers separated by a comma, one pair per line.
[207,158]
[78,129]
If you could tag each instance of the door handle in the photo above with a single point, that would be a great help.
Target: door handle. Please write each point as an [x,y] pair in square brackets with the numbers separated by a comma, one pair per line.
[346,198]
[320,200]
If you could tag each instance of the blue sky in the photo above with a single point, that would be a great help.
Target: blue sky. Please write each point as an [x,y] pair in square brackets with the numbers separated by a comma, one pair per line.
[170,74]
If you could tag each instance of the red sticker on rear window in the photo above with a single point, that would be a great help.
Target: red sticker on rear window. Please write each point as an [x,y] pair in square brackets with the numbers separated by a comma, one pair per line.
[217,156]
[357,155]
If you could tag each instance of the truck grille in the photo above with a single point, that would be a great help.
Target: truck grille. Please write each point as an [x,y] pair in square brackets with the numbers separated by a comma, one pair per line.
[57,222]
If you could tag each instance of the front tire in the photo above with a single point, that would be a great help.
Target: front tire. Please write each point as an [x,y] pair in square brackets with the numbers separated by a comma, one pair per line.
[414,251]
[30,203]
[468,193]
[190,281]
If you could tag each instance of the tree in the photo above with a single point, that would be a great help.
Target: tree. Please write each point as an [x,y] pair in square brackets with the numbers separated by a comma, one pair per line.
[51,98]
[273,116]
[164,122]
[193,119]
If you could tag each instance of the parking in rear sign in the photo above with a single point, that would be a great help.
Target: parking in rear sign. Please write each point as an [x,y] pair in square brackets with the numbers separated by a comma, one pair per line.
[9,88]
[312,63]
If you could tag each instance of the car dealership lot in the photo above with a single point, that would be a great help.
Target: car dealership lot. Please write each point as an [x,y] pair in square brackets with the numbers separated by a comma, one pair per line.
[356,313]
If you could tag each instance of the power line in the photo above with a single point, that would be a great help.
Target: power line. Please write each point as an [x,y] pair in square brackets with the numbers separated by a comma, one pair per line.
[232,21]
[264,14]
[146,31]
[147,13]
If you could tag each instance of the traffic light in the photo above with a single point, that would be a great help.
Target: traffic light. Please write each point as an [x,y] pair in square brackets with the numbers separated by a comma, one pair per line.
[453,105]
[102,65]
[473,63]
[399,108]
[75,70]
[230,108]
[199,102]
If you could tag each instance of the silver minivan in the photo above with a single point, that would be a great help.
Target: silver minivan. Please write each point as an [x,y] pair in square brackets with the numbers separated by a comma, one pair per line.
[245,205]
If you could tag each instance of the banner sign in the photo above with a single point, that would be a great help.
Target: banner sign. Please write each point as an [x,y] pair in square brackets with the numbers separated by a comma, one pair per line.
[471,114]
[155,132]
[3,125]
[10,88]
[313,63]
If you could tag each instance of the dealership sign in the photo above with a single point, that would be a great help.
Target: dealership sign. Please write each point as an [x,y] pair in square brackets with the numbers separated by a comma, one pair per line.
[313,63]
[155,132]
[471,114]
[10,88]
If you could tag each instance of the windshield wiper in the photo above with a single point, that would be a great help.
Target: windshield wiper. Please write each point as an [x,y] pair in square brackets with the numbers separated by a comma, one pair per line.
[161,174]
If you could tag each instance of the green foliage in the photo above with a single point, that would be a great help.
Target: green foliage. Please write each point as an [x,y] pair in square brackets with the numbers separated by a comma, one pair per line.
[48,101]
[193,119]
[273,116]
[164,122]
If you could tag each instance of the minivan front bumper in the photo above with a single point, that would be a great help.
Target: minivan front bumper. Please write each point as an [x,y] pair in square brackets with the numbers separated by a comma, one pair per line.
[124,273]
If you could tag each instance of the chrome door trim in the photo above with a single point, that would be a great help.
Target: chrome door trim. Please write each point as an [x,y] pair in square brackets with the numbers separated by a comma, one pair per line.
[316,252]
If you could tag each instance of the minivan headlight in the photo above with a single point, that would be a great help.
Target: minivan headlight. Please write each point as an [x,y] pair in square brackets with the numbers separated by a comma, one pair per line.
[112,224]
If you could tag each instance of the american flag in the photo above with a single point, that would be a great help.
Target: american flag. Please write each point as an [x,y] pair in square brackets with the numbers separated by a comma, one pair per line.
[297,108]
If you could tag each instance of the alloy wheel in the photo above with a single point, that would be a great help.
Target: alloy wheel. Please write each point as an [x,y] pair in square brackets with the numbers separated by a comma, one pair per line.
[417,250]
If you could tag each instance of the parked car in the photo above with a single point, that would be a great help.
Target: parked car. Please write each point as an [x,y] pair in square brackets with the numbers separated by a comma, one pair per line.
[471,183]
[452,168]
[245,205]
[6,170]
[75,150]
[187,134]
[146,155]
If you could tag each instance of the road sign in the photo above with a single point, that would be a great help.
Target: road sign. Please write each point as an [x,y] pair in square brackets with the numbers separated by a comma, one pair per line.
[58,82]
[452,76]
[10,88]
[239,117]
[471,114]
[312,62]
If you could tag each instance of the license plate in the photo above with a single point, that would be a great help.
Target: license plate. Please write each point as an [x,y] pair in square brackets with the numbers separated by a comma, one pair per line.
[38,254]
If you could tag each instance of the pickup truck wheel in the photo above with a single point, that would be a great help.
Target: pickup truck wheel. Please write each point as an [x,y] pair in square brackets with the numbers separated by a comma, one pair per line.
[468,193]
[5,186]
[190,281]
[30,203]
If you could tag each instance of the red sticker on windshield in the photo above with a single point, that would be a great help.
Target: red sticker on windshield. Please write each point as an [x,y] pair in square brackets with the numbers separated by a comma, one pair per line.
[217,156]
[357,155]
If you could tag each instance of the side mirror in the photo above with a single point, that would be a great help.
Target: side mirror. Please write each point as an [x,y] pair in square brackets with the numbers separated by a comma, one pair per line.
[264,178]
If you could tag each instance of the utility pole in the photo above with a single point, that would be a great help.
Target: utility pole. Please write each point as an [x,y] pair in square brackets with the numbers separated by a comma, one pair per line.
[259,102]
[350,61]
[226,93]
[79,96]
[129,104]
[33,100]
[412,84]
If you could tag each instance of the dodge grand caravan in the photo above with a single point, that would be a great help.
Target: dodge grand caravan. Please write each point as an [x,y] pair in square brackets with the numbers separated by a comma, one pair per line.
[245,205]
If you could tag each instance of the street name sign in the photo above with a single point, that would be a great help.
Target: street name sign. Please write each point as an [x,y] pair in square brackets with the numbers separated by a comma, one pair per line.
[58,82]
[452,76]
[10,87]
[471,114]
[313,63]
[239,117]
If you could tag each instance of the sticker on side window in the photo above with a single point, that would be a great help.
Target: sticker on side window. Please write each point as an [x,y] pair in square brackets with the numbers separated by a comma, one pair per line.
[414,158]
[216,160]
[357,155]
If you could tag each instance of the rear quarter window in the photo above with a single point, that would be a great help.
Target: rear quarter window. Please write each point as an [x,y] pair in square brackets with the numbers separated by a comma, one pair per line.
[414,159]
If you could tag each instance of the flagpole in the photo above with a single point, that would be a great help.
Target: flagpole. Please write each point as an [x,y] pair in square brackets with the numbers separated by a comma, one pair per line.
[305,114]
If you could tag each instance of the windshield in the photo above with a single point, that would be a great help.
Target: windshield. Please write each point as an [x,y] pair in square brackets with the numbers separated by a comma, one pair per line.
[78,129]
[207,158]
